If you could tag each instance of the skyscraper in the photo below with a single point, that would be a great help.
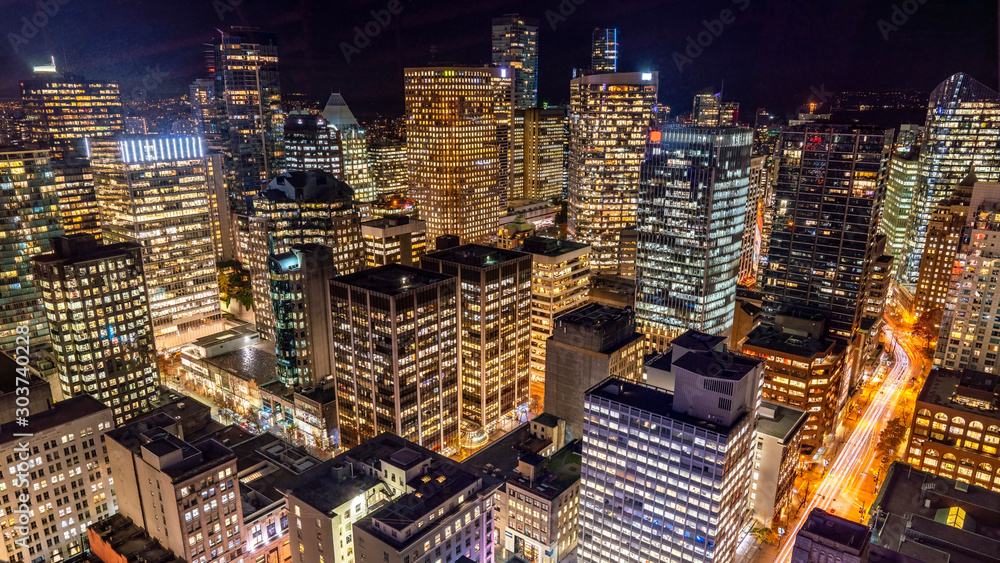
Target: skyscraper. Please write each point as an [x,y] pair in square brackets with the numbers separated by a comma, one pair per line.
[828,197]
[300,207]
[944,235]
[904,171]
[394,239]
[610,115]
[353,147]
[387,164]
[454,160]
[705,110]
[311,144]
[963,122]
[29,211]
[153,191]
[539,142]
[604,50]
[706,422]
[753,221]
[248,89]
[206,110]
[515,45]
[692,204]
[494,288]
[101,329]
[395,336]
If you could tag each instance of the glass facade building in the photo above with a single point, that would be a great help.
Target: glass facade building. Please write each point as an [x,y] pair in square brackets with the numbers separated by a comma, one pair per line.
[604,50]
[904,173]
[692,205]
[351,138]
[311,144]
[610,116]
[515,45]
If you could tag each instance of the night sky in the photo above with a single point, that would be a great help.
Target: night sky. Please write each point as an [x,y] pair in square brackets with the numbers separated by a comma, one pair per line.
[774,53]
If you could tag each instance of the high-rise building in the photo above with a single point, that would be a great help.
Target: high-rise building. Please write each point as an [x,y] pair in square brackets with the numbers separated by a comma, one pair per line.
[396,342]
[942,240]
[311,144]
[206,111]
[249,96]
[515,46]
[539,143]
[707,423]
[494,288]
[99,320]
[765,133]
[610,115]
[753,222]
[29,212]
[560,279]
[350,135]
[78,423]
[387,164]
[300,301]
[604,50]
[904,171]
[61,111]
[394,239]
[705,112]
[963,121]
[183,492]
[77,201]
[153,191]
[588,345]
[300,207]
[692,204]
[828,197]
[454,159]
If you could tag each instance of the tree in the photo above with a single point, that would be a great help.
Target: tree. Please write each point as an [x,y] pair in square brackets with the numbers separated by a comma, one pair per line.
[234,283]
[764,535]
[890,439]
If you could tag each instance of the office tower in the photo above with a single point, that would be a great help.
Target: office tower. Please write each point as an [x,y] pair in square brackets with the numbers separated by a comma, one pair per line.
[926,523]
[206,111]
[944,234]
[454,166]
[765,133]
[879,284]
[100,324]
[776,462]
[538,505]
[222,220]
[707,423]
[753,222]
[804,370]
[588,345]
[406,503]
[300,207]
[29,210]
[560,279]
[947,437]
[395,339]
[183,492]
[249,94]
[610,116]
[78,423]
[706,109]
[394,239]
[495,331]
[963,121]
[353,147]
[729,114]
[515,46]
[153,191]
[692,203]
[539,142]
[387,164]
[904,172]
[829,192]
[604,50]
[311,144]
[60,111]
[966,339]
[300,301]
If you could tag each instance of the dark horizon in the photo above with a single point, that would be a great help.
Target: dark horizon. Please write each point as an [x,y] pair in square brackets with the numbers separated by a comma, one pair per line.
[768,53]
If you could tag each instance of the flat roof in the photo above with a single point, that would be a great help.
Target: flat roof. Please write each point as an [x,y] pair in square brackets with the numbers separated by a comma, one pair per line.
[651,399]
[785,420]
[476,255]
[250,362]
[9,375]
[499,458]
[61,413]
[239,331]
[693,340]
[392,279]
[767,337]
[718,365]
[594,315]
[949,388]
[836,529]
[555,474]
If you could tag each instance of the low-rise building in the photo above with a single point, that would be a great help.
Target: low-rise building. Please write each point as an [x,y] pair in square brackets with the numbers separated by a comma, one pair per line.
[776,461]
[117,539]
[229,368]
[39,392]
[394,239]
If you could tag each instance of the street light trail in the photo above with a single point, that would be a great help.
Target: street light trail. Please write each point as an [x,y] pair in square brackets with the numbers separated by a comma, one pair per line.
[856,456]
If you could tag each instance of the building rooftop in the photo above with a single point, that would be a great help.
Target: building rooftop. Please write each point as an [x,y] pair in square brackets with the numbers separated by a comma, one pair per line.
[130,541]
[555,474]
[263,463]
[61,413]
[476,255]
[390,221]
[246,330]
[767,337]
[932,518]
[308,186]
[251,363]
[9,375]
[848,536]
[83,247]
[595,316]
[154,434]
[968,390]
[698,341]
[719,365]
[392,279]
[499,458]
[651,399]
[551,247]
[783,423]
